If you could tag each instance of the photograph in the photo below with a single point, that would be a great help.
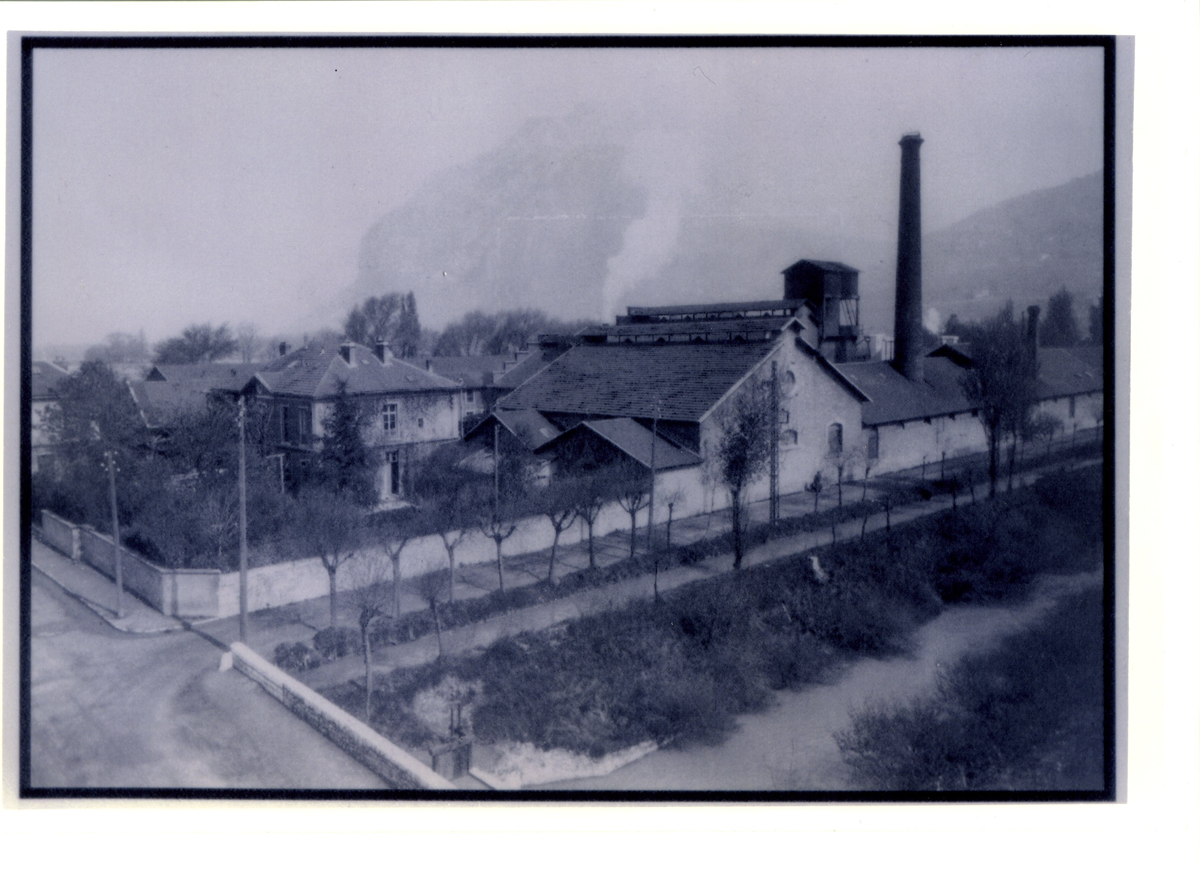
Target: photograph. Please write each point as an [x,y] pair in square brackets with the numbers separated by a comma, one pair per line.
[544,419]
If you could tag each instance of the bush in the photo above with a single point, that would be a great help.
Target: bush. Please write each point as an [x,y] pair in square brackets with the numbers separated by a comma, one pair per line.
[334,642]
[297,657]
[1027,716]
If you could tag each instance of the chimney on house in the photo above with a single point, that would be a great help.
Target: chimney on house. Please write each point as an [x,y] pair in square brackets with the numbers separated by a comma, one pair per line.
[382,351]
[909,355]
[1031,330]
[347,351]
[283,349]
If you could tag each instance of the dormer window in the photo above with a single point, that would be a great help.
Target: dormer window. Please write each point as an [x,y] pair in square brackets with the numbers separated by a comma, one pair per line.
[389,417]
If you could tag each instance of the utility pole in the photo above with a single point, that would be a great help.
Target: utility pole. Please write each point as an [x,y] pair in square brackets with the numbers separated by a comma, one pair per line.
[774,501]
[109,456]
[243,595]
[650,520]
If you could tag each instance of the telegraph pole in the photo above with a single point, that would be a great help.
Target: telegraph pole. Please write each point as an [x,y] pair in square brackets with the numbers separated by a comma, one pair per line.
[116,531]
[774,501]
[653,473]
[243,596]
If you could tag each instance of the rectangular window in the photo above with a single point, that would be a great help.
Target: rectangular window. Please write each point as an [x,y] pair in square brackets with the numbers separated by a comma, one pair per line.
[835,438]
[420,423]
[389,417]
[1072,407]
[393,460]
[873,445]
[470,396]
[305,427]
[288,427]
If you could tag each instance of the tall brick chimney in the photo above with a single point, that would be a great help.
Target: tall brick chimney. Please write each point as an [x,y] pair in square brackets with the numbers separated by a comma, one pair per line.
[909,356]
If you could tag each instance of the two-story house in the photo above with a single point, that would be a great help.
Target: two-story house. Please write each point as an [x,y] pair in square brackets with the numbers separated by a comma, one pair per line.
[408,409]
[44,377]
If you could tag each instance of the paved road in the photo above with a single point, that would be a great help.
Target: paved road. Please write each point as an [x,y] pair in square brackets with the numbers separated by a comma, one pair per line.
[115,710]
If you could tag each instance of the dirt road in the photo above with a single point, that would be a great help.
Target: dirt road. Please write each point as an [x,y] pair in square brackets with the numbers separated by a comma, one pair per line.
[115,710]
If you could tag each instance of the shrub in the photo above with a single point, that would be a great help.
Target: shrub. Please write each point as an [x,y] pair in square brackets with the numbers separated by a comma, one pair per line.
[296,657]
[334,642]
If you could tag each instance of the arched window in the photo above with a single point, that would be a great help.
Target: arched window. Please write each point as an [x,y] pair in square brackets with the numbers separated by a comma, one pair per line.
[835,438]
[787,383]
[789,438]
[873,444]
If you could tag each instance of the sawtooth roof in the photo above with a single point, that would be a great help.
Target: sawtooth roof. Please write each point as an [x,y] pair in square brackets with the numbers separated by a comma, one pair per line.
[673,381]
[752,329]
[315,372]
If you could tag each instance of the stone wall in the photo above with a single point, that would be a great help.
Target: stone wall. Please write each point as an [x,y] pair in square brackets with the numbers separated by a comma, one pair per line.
[390,763]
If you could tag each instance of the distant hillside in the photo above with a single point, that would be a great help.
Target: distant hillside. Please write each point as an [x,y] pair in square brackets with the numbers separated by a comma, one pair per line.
[1023,249]
[532,223]
[562,218]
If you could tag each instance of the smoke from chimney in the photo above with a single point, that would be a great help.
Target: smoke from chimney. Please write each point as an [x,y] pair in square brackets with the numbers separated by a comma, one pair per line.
[909,358]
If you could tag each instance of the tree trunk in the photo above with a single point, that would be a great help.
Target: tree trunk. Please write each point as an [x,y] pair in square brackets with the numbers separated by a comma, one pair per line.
[332,595]
[839,487]
[863,534]
[396,582]
[736,514]
[816,499]
[670,513]
[437,626]
[993,464]
[1012,458]
[450,554]
[500,561]
[591,546]
[553,553]
[632,532]
[366,637]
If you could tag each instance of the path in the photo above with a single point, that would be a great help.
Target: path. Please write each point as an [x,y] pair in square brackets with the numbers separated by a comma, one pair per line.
[111,709]
[792,746]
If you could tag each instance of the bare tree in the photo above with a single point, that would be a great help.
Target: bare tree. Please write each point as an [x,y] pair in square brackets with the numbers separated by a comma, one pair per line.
[671,498]
[815,487]
[743,450]
[631,485]
[249,343]
[433,588]
[1001,384]
[589,493]
[393,531]
[450,498]
[368,596]
[557,505]
[330,527]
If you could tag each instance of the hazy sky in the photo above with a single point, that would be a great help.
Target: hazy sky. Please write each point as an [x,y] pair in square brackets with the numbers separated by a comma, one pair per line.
[176,186]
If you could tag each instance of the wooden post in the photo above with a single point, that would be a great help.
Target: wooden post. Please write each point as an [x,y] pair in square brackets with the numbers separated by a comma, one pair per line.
[243,595]
[116,532]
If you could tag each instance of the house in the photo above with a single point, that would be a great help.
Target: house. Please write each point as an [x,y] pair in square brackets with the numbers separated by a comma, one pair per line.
[409,410]
[44,379]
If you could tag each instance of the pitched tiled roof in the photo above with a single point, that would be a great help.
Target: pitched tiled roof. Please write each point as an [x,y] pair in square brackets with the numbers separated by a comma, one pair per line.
[529,366]
[159,401]
[44,377]
[828,265]
[682,381]
[528,426]
[219,376]
[635,440]
[894,398]
[474,372]
[1063,372]
[315,372]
